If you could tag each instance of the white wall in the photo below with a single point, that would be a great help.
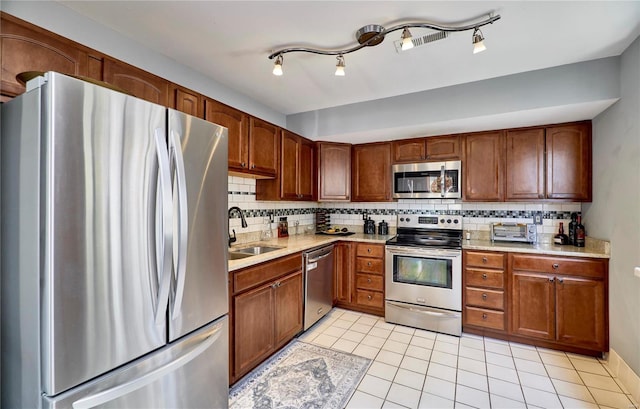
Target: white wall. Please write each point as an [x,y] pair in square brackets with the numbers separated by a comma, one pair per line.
[614,214]
[61,20]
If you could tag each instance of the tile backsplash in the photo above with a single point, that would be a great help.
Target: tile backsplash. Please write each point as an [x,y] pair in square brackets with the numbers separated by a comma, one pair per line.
[477,217]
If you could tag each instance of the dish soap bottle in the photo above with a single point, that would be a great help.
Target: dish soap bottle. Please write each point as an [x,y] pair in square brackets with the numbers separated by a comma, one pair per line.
[560,238]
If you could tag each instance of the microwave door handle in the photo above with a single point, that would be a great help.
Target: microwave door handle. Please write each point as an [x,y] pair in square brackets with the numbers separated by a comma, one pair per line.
[442,184]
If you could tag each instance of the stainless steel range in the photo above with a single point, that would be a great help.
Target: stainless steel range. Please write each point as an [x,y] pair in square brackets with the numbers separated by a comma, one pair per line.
[423,273]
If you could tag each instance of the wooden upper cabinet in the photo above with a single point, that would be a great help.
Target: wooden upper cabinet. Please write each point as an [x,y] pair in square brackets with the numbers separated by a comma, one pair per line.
[443,147]
[569,162]
[307,169]
[297,170]
[237,123]
[187,101]
[334,171]
[25,47]
[409,150]
[483,166]
[525,164]
[264,146]
[371,172]
[137,82]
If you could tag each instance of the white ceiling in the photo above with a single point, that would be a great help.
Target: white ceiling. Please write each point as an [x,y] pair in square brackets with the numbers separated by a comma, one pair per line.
[229,41]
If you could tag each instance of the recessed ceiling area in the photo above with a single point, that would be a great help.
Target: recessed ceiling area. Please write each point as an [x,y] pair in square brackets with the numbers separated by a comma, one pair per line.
[229,41]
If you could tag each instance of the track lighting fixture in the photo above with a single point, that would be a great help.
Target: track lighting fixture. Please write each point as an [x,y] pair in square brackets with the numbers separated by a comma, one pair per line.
[373,34]
[340,66]
[478,41]
[277,67]
[407,39]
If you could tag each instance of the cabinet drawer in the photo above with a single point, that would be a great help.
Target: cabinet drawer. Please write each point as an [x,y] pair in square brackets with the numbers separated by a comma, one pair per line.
[484,318]
[369,282]
[484,259]
[484,278]
[370,298]
[369,265]
[253,276]
[369,250]
[559,265]
[484,298]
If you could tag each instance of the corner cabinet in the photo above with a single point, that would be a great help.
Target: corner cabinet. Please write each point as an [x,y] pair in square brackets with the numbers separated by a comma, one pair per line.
[266,311]
[371,172]
[334,171]
[569,162]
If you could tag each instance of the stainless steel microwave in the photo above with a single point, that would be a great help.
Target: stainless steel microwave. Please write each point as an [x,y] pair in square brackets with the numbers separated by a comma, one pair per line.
[429,180]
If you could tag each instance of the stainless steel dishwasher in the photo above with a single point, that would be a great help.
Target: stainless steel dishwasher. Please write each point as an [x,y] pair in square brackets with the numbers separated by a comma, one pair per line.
[318,284]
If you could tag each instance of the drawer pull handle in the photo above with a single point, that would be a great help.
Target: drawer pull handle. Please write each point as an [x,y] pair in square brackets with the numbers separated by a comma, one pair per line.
[484,296]
[368,250]
[484,276]
[484,316]
[484,260]
[555,266]
[368,280]
[369,264]
[369,297]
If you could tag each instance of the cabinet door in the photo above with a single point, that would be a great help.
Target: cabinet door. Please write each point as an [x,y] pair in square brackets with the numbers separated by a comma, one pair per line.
[137,82]
[409,150]
[254,329]
[483,166]
[288,308]
[569,162]
[443,147]
[187,101]
[306,169]
[264,144]
[343,272]
[289,166]
[581,312]
[334,174]
[24,47]
[533,305]
[371,172]
[525,164]
[237,123]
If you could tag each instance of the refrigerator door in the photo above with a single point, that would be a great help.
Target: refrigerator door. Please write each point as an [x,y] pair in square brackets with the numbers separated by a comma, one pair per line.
[105,235]
[198,152]
[191,373]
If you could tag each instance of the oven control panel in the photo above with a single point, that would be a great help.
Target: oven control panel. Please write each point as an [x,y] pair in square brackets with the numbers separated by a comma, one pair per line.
[430,221]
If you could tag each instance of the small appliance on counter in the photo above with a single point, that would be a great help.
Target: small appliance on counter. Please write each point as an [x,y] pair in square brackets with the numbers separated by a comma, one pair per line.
[518,232]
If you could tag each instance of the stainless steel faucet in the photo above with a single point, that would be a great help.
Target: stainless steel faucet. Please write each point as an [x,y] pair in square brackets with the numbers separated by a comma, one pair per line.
[243,222]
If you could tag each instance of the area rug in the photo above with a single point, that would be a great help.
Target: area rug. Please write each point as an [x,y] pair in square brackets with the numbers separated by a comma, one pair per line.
[300,376]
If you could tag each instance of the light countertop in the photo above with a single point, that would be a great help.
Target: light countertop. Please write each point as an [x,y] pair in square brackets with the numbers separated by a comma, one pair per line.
[594,248]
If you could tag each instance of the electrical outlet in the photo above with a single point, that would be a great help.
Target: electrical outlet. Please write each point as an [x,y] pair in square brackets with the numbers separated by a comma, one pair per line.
[537,218]
[636,272]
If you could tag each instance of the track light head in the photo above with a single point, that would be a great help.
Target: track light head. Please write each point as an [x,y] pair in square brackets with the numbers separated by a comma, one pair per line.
[277,67]
[478,41]
[340,66]
[407,39]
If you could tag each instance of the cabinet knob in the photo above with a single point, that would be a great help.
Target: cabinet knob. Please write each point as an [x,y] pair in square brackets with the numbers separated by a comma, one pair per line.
[484,316]
[560,280]
[555,266]
[368,250]
[369,297]
[484,276]
[551,279]
[243,164]
[369,280]
[369,263]
[253,166]
[484,260]
[484,296]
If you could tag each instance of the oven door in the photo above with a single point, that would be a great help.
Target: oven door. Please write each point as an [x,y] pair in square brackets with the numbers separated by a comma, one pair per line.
[423,276]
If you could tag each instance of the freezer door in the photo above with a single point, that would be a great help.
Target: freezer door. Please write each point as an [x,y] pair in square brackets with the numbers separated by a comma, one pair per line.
[198,152]
[191,373]
[103,233]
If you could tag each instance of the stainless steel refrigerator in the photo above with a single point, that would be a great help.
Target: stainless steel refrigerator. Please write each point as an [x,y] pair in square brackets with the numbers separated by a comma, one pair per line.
[114,256]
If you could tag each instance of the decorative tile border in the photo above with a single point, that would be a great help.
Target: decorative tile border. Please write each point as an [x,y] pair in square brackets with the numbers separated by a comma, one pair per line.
[242,193]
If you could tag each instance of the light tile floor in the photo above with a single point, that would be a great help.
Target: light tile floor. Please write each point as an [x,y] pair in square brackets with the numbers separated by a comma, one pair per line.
[413,368]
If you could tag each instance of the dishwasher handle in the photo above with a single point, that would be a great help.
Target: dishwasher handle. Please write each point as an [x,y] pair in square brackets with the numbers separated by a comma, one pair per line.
[316,259]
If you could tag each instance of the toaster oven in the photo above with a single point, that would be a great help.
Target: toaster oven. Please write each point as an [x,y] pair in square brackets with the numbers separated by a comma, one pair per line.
[517,232]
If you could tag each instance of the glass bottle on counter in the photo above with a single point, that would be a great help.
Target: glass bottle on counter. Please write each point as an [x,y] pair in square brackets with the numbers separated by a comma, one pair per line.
[579,237]
[561,238]
[572,228]
[283,227]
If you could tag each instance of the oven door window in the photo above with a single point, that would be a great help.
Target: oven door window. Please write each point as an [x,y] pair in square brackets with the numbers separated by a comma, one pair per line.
[430,272]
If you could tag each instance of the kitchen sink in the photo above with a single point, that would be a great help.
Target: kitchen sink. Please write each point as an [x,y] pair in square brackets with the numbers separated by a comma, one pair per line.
[238,256]
[255,250]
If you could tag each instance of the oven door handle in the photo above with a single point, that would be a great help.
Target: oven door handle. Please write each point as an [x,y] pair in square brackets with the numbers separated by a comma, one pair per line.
[410,251]
[422,311]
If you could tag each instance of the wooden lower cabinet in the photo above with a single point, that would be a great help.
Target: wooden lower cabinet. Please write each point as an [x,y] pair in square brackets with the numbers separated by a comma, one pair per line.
[533,305]
[343,274]
[266,312]
[484,281]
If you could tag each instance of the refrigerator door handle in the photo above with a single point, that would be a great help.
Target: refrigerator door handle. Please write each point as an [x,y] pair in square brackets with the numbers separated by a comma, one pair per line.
[165,227]
[118,391]
[180,245]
